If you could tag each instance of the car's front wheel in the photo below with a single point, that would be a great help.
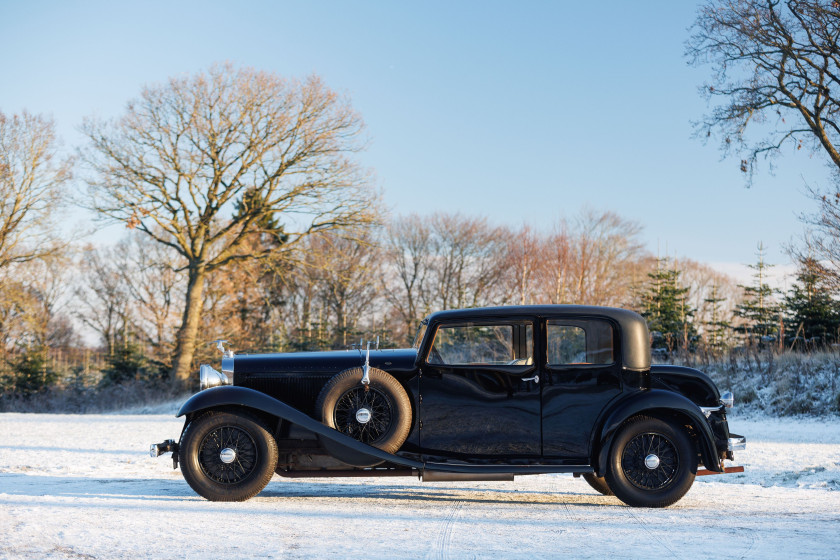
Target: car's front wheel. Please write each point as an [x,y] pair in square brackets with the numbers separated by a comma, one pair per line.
[652,463]
[227,457]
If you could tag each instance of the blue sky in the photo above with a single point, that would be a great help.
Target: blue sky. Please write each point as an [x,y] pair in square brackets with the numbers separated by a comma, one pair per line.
[523,112]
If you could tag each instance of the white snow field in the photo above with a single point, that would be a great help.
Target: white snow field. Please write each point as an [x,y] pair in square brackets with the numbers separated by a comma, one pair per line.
[84,487]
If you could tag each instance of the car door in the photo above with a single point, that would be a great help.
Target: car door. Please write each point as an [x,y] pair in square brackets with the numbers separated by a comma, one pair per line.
[580,374]
[479,392]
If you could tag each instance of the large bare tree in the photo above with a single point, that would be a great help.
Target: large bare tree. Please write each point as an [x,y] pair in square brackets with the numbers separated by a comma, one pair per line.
[776,72]
[32,175]
[408,252]
[204,162]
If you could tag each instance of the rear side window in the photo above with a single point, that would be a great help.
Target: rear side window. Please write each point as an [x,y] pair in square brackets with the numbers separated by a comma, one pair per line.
[579,342]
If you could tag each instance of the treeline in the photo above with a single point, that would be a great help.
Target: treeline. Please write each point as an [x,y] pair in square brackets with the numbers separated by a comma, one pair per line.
[248,219]
[338,287]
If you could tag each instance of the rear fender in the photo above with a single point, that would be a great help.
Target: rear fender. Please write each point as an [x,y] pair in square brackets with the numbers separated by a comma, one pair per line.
[231,395]
[660,404]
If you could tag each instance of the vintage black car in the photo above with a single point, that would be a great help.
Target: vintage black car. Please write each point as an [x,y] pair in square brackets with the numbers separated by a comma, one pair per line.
[483,394]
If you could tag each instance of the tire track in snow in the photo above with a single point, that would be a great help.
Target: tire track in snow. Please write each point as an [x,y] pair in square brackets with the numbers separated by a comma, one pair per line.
[647,529]
[749,548]
[441,551]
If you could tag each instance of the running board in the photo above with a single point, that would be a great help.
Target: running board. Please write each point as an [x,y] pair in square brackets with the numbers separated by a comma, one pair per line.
[727,470]
[437,476]
[483,470]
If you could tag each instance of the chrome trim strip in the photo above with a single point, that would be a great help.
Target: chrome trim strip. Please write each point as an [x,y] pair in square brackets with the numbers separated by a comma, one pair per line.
[707,410]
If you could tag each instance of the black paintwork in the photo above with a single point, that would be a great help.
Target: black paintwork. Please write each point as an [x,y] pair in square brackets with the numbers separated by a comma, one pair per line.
[485,418]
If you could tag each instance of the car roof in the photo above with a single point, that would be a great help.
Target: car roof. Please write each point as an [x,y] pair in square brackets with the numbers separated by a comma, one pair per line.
[635,339]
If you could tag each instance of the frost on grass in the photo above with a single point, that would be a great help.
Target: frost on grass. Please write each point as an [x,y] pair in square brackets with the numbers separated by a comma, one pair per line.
[789,384]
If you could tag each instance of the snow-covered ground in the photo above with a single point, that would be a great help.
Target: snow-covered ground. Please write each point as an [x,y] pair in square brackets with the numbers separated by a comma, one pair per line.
[85,487]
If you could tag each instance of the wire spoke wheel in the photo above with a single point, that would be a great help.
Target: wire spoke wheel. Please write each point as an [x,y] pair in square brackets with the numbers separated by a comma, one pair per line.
[378,414]
[378,421]
[228,455]
[650,461]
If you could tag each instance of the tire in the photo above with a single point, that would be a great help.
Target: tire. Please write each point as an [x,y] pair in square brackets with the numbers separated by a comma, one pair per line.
[671,468]
[389,424]
[599,483]
[240,475]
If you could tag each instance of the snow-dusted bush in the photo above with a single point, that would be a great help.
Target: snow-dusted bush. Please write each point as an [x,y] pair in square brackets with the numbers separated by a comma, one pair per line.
[132,397]
[778,384]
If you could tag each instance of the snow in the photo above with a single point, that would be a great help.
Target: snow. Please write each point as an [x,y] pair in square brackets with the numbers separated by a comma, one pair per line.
[85,487]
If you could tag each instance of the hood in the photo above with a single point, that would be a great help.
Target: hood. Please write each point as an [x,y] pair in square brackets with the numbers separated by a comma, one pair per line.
[391,361]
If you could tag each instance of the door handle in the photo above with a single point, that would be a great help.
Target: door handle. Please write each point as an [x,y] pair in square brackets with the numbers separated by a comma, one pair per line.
[535,379]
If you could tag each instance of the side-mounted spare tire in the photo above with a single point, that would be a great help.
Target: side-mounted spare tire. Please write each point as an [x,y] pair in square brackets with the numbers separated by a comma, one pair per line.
[378,415]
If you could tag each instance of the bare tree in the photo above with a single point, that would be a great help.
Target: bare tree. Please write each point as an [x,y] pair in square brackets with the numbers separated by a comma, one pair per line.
[186,152]
[408,251]
[591,260]
[555,273]
[102,295]
[713,295]
[776,69]
[525,262]
[46,286]
[347,269]
[31,178]
[466,257]
[150,274]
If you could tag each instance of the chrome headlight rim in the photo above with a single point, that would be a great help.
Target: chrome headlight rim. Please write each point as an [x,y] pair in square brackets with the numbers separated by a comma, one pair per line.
[727,399]
[209,377]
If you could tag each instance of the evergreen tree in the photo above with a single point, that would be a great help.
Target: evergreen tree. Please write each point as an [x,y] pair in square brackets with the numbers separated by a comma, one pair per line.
[128,362]
[665,306]
[759,310]
[272,233]
[32,373]
[716,328]
[812,313]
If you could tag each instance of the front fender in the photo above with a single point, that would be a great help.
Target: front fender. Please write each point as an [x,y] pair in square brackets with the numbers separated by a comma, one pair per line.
[231,395]
[655,402]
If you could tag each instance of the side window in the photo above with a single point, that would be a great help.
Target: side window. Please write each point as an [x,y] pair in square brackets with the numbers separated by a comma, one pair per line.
[579,343]
[477,344]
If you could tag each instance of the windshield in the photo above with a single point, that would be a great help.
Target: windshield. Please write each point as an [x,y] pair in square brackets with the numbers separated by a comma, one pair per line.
[421,332]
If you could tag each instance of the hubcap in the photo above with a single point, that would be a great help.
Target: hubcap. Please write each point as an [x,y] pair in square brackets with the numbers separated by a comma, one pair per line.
[363,416]
[227,455]
[651,461]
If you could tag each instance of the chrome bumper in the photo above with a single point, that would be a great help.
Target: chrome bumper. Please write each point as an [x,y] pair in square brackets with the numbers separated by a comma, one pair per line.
[736,443]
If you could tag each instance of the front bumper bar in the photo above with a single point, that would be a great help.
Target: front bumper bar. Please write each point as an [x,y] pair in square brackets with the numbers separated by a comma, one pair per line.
[170,445]
[158,449]
[736,443]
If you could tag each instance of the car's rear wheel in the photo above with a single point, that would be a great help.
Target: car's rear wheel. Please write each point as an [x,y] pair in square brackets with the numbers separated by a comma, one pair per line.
[652,463]
[378,414]
[227,457]
[599,483]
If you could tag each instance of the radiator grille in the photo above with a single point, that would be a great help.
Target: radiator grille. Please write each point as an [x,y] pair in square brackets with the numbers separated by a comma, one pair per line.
[298,391]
